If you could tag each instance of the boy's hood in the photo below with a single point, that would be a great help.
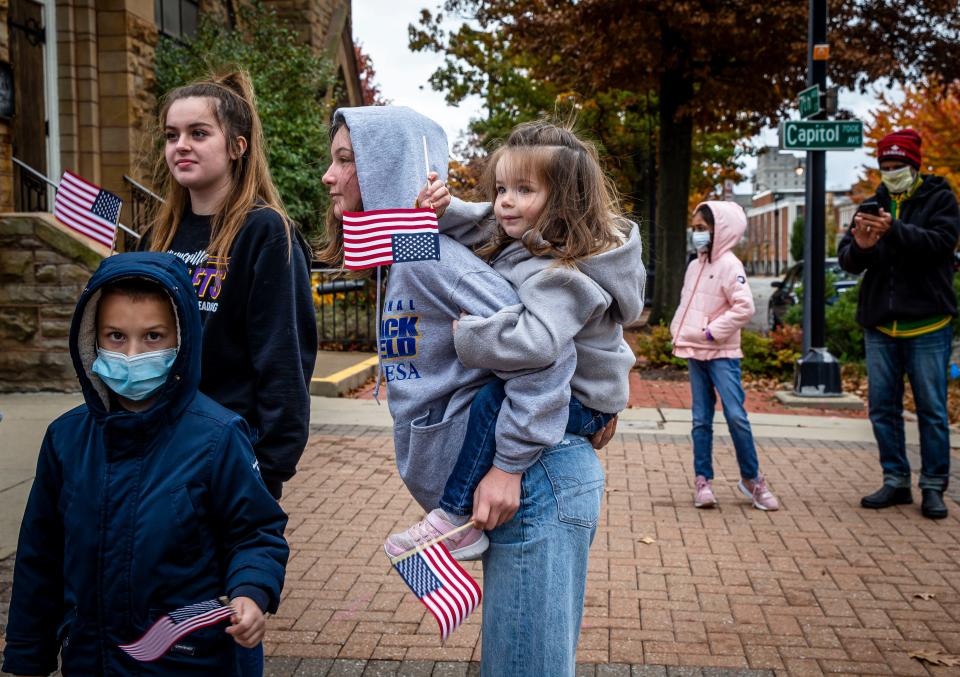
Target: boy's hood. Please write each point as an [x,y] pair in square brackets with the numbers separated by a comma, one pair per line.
[388,151]
[729,224]
[170,273]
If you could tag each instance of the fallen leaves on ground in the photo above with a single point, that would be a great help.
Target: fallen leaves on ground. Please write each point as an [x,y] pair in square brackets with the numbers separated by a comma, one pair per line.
[936,658]
[924,595]
[647,540]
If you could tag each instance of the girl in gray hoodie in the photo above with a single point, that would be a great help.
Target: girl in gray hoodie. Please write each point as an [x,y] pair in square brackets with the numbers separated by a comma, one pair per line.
[576,264]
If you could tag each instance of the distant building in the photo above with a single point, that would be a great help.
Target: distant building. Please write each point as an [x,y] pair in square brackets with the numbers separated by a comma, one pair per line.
[82,78]
[770,222]
[770,219]
[779,172]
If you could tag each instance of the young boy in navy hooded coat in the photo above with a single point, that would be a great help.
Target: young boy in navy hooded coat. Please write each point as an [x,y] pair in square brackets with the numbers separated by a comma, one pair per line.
[147,497]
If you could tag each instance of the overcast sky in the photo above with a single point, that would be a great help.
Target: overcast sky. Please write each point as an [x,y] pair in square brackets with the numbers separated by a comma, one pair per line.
[381,26]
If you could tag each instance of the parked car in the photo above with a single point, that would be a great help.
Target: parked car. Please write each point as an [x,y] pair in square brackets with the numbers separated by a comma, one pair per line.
[786,289]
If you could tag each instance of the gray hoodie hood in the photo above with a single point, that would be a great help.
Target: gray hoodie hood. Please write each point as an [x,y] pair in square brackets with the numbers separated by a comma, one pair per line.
[388,149]
[621,274]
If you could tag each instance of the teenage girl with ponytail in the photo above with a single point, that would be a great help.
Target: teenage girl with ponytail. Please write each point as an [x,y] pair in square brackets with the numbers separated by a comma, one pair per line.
[250,266]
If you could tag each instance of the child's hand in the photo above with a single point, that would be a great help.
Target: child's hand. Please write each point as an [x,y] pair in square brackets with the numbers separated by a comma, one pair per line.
[434,194]
[249,625]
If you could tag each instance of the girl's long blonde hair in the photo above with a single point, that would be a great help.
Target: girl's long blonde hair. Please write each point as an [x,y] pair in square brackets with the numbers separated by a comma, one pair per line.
[251,186]
[582,215]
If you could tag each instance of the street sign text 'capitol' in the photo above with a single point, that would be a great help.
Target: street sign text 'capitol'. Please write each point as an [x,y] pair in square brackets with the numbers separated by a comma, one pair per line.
[821,134]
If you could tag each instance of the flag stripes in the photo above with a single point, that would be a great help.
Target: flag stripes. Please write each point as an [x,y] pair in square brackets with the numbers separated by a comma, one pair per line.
[87,209]
[369,238]
[175,625]
[444,587]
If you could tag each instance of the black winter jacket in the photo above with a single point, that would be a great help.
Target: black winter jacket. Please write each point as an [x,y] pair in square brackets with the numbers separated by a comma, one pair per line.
[133,515]
[909,272]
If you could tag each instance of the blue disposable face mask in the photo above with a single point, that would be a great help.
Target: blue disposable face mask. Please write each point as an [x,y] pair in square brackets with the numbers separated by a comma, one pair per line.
[700,239]
[136,377]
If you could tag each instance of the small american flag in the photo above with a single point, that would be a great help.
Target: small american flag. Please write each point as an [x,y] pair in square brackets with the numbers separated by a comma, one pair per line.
[175,625]
[441,584]
[385,236]
[87,208]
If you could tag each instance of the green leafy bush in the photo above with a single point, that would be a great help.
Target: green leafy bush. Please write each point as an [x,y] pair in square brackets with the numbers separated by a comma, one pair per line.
[844,335]
[656,347]
[290,83]
[765,357]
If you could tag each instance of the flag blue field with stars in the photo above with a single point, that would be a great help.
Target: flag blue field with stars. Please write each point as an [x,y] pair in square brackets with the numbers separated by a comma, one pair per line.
[420,247]
[387,236]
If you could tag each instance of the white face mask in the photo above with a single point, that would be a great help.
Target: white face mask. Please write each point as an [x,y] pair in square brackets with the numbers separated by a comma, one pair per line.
[700,239]
[898,180]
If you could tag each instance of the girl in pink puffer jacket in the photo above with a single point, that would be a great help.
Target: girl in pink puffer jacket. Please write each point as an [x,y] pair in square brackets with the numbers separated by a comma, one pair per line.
[715,303]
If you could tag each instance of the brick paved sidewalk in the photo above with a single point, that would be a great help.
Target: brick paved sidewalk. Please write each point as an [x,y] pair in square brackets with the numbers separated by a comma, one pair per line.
[821,586]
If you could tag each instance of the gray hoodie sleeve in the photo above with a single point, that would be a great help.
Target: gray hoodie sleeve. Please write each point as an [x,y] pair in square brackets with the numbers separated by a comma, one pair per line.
[535,411]
[469,223]
[554,305]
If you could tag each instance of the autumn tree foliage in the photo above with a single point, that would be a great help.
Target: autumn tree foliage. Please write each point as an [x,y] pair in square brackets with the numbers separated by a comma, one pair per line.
[368,78]
[710,67]
[932,108]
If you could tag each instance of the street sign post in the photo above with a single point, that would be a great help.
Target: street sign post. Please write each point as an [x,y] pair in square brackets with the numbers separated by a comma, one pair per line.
[809,102]
[821,134]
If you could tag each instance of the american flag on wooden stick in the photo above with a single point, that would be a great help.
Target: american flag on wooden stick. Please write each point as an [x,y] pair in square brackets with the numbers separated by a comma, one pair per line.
[87,208]
[441,584]
[385,236]
[179,623]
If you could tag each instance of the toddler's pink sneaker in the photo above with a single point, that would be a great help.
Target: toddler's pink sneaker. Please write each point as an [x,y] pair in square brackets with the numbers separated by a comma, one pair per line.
[468,544]
[757,491]
[704,497]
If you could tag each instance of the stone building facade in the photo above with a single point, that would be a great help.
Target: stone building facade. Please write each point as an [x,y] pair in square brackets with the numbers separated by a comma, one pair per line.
[82,75]
[43,269]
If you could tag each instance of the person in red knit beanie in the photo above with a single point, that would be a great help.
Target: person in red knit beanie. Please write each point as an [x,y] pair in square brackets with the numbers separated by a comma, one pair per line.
[902,240]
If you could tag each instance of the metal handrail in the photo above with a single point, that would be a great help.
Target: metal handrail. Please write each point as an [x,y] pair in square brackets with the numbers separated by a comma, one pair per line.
[139,186]
[24,165]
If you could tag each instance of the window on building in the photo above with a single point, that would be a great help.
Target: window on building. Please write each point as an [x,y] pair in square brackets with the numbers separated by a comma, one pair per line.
[176,18]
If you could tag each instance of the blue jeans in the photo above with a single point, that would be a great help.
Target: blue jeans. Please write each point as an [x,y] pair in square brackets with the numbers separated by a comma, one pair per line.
[250,661]
[924,360]
[535,571]
[707,379]
[480,444]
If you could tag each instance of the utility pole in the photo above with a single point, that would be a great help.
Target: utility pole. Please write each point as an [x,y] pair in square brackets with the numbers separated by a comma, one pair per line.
[818,372]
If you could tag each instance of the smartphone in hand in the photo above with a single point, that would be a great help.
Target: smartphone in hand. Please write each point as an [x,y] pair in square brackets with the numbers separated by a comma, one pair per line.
[871,207]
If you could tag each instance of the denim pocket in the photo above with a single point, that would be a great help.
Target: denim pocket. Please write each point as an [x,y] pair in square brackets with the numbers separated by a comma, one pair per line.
[576,477]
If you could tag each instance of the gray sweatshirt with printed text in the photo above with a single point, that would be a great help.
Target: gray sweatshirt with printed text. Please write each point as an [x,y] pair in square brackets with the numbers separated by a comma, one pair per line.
[429,390]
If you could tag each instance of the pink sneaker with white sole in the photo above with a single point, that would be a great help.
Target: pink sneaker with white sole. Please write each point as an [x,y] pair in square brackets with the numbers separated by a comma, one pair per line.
[758,492]
[468,544]
[704,497]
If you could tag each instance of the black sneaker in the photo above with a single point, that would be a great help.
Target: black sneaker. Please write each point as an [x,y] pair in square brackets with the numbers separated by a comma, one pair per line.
[887,496]
[933,505]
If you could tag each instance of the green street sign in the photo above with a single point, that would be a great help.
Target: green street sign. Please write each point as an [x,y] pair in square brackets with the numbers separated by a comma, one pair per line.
[821,134]
[809,100]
